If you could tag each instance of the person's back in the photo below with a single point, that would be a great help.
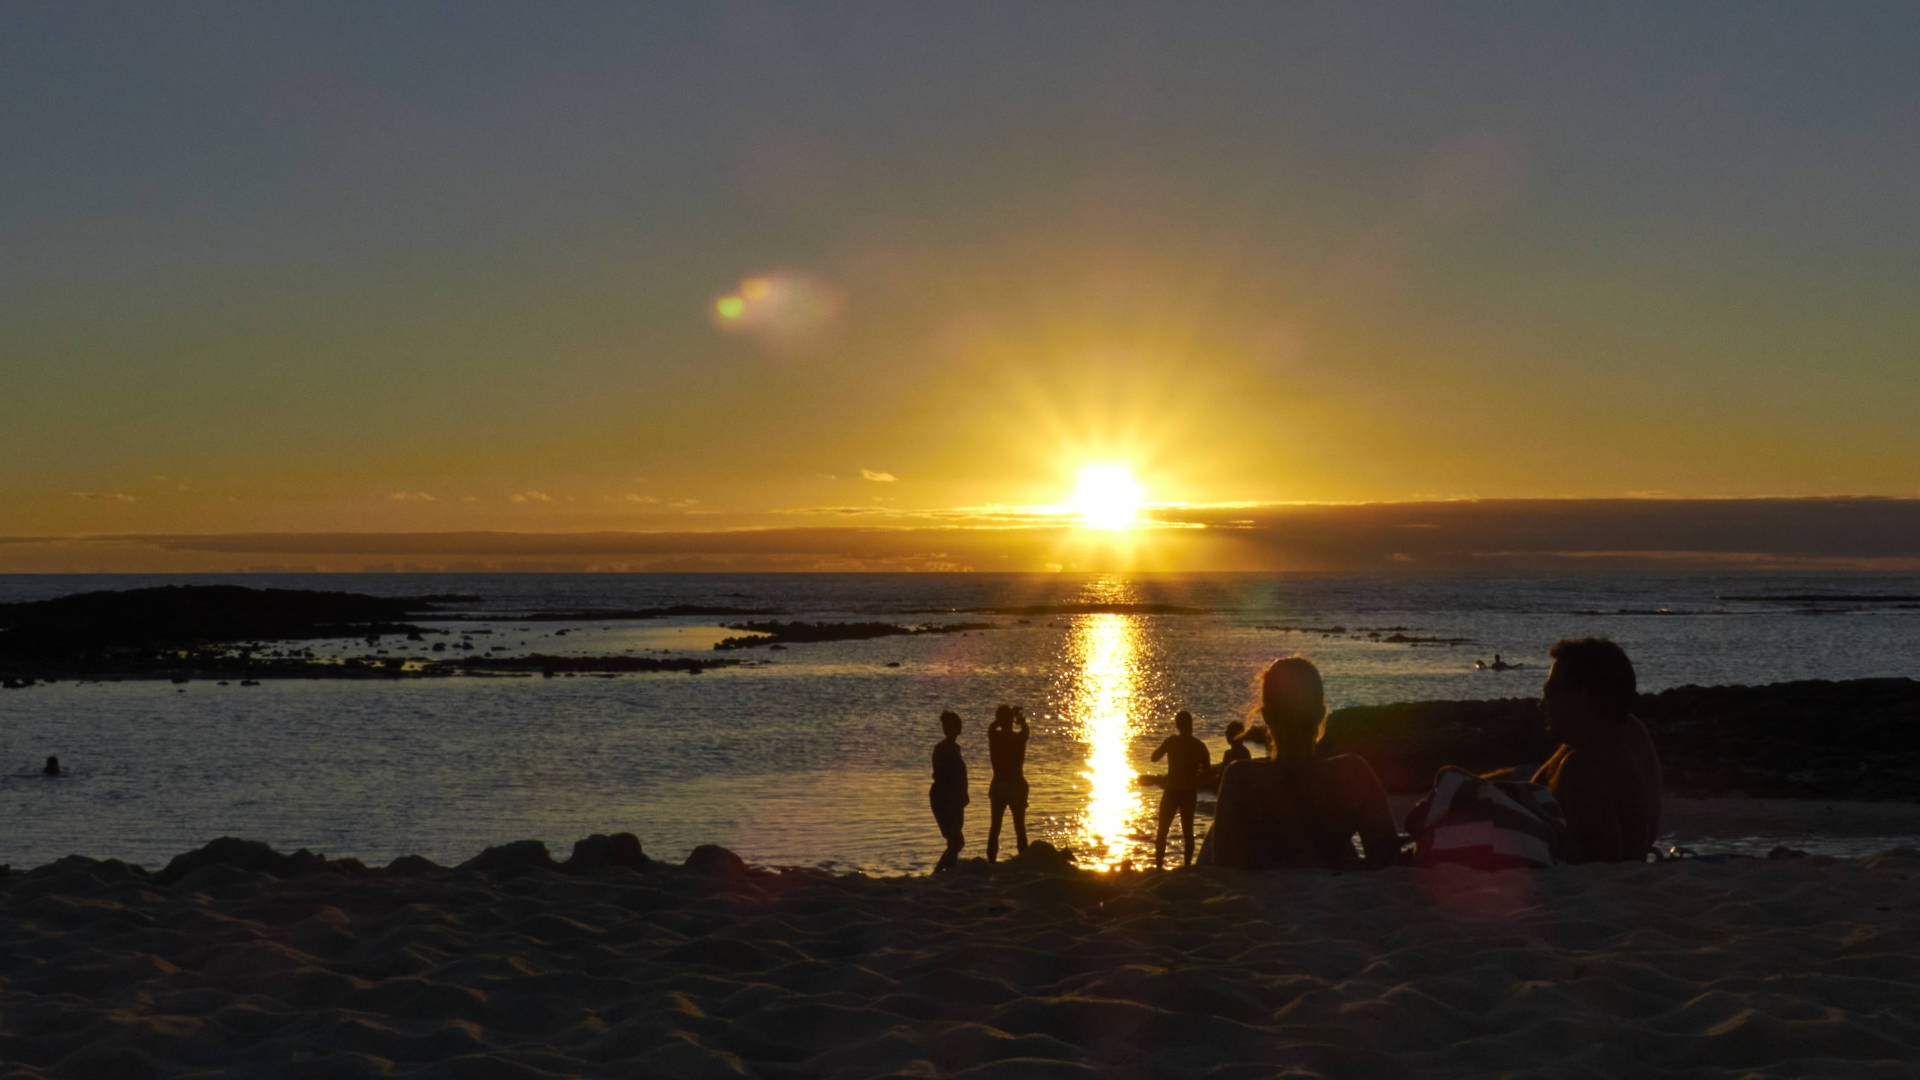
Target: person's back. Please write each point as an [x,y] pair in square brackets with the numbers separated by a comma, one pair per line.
[1296,809]
[1007,750]
[1187,761]
[1605,774]
[1007,745]
[1302,814]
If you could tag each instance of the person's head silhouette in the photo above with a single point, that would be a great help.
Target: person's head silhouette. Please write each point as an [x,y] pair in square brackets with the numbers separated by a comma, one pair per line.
[1589,691]
[950,723]
[1184,721]
[1294,702]
[53,765]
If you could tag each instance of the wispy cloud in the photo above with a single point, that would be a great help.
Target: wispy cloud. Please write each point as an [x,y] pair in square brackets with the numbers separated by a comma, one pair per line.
[1541,535]
[878,477]
[412,496]
[104,496]
[530,497]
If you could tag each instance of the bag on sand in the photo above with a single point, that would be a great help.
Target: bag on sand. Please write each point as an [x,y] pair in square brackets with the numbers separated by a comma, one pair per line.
[1486,824]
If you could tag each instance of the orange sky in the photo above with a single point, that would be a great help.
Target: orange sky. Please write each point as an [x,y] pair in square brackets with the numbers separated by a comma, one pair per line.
[685,271]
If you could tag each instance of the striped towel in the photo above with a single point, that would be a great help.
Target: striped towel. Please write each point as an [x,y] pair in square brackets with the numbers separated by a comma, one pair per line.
[1486,824]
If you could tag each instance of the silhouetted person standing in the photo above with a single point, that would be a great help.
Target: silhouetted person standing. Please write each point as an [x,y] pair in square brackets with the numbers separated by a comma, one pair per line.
[1007,747]
[1187,761]
[1605,775]
[948,795]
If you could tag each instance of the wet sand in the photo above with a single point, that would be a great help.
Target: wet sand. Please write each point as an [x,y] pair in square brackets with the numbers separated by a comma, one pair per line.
[242,963]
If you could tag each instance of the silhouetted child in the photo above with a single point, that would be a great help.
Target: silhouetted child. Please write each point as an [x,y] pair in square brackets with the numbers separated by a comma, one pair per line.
[948,795]
[1236,745]
[53,766]
[1187,762]
[1007,748]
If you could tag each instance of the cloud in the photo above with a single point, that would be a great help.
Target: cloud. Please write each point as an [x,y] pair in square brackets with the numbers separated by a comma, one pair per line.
[878,477]
[531,496]
[644,500]
[411,496]
[104,496]
[1519,536]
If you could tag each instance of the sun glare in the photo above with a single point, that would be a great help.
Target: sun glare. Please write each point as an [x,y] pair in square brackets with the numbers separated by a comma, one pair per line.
[1108,497]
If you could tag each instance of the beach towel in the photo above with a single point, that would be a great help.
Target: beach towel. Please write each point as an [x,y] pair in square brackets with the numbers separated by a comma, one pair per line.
[1486,824]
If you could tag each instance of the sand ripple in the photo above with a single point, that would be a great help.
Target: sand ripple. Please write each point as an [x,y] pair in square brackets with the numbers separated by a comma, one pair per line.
[239,963]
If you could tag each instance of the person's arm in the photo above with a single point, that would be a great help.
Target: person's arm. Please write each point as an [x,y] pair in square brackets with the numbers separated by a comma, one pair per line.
[1585,793]
[1161,751]
[1367,809]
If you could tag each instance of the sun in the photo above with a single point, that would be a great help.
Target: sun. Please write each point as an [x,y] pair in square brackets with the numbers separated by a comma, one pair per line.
[1108,497]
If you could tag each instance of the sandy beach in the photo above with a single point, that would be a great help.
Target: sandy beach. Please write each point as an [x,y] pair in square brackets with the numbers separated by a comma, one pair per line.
[236,960]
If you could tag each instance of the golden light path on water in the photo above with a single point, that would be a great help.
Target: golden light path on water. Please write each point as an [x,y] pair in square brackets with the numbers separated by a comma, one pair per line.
[1105,705]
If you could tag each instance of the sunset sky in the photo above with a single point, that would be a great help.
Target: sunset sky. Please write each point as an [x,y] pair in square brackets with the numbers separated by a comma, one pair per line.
[868,285]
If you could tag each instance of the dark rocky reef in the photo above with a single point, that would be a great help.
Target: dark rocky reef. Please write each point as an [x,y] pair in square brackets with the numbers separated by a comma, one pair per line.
[194,614]
[133,631]
[184,632]
[787,633]
[1811,739]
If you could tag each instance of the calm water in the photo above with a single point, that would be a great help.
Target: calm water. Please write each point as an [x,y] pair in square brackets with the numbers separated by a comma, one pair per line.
[818,754]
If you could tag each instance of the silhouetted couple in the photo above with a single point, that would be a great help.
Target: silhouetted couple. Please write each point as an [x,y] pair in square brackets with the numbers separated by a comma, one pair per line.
[1007,749]
[1299,809]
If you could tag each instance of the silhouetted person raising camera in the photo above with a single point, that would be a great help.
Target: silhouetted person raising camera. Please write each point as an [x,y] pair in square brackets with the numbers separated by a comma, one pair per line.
[1187,761]
[1605,775]
[1297,808]
[1007,747]
[948,795]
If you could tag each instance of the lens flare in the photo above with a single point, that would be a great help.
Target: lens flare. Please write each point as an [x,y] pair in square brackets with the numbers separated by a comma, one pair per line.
[787,312]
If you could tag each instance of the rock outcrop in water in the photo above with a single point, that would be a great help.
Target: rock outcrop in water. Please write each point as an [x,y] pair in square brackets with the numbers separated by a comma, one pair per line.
[1811,739]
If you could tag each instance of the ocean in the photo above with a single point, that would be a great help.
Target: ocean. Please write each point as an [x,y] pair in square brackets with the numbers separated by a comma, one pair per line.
[817,754]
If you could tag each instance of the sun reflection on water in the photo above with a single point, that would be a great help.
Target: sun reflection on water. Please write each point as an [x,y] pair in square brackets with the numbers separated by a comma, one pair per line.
[1105,704]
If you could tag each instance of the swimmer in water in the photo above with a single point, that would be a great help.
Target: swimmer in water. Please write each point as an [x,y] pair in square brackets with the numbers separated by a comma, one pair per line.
[53,766]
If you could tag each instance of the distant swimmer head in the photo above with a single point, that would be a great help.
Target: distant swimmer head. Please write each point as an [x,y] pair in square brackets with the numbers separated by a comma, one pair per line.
[1294,701]
[950,723]
[53,766]
[1184,721]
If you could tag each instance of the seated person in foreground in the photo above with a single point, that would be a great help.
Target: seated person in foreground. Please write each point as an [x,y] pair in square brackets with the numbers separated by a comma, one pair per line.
[1605,774]
[1295,808]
